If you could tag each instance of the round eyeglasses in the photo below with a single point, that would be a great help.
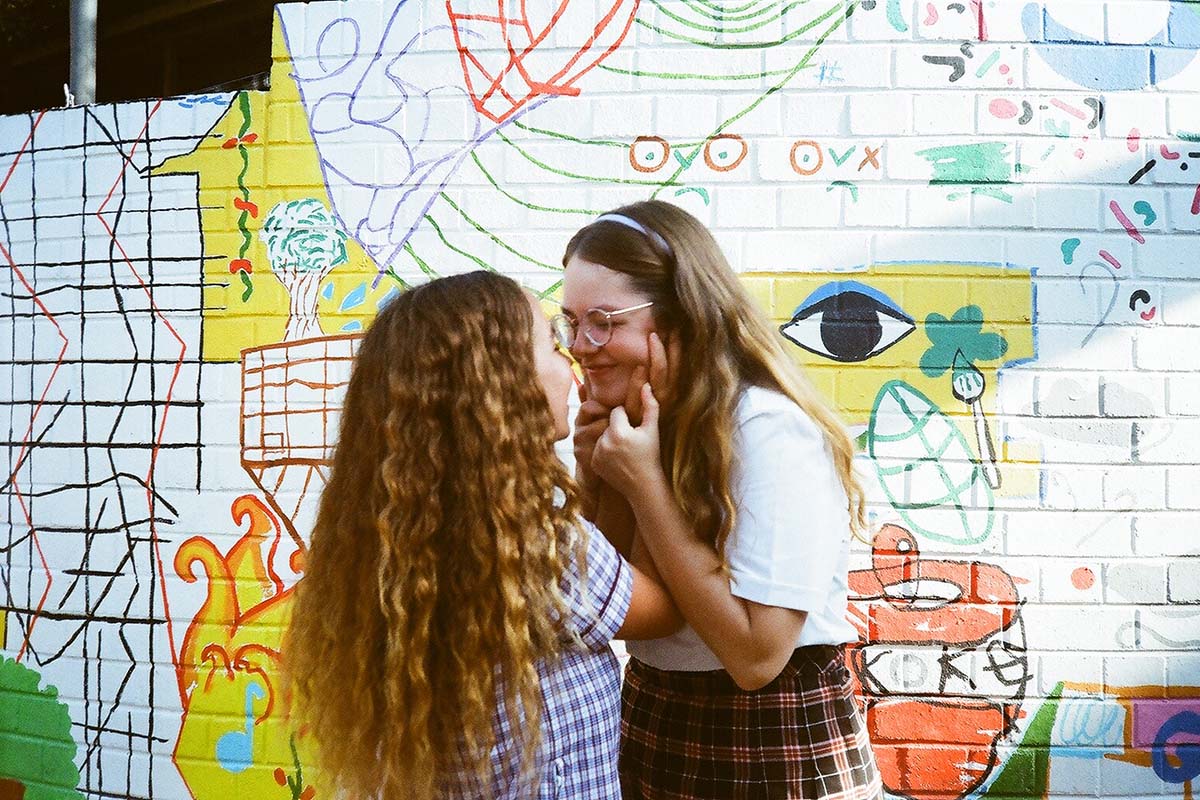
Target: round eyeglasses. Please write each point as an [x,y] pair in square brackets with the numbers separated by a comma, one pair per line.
[597,325]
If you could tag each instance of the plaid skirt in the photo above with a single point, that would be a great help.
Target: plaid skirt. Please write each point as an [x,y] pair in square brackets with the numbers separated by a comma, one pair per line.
[697,735]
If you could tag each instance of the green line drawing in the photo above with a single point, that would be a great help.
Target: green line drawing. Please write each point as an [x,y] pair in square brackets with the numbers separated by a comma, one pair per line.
[722,10]
[927,468]
[533,206]
[550,290]
[846,185]
[495,238]
[986,65]
[247,237]
[694,76]
[578,176]
[516,123]
[421,265]
[476,259]
[714,12]
[747,45]
[672,179]
[720,28]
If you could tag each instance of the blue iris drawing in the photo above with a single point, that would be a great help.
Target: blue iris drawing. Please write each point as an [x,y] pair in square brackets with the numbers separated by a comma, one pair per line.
[847,321]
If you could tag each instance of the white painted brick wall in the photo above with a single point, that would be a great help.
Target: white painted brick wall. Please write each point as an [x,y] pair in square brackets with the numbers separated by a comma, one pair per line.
[1097,519]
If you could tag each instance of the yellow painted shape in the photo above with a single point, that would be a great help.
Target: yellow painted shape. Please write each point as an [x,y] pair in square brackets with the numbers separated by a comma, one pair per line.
[283,165]
[233,645]
[919,289]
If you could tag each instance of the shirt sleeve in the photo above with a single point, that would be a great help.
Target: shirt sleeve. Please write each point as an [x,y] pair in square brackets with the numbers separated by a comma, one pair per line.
[792,523]
[597,605]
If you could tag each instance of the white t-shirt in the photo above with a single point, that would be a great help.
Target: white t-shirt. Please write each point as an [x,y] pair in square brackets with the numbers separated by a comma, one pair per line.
[790,546]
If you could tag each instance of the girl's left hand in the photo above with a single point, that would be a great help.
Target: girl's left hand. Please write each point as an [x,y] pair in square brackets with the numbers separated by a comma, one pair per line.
[627,457]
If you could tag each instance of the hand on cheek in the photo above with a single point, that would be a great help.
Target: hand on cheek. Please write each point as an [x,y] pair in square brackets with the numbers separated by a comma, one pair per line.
[590,423]
[664,359]
[633,394]
[626,455]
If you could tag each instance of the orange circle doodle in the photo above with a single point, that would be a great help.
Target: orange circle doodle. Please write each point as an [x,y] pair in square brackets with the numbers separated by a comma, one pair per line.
[820,157]
[725,137]
[633,153]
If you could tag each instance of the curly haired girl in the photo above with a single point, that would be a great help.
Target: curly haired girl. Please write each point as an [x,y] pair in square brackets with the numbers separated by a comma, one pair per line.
[450,635]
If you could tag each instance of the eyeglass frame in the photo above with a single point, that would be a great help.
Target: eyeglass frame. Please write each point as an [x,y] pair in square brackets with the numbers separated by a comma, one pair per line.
[574,325]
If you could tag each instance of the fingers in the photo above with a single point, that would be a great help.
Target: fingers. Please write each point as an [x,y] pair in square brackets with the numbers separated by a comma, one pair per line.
[649,408]
[674,360]
[659,367]
[589,412]
[633,393]
[665,360]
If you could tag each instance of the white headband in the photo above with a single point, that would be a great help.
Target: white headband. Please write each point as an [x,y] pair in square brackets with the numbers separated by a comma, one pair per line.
[629,222]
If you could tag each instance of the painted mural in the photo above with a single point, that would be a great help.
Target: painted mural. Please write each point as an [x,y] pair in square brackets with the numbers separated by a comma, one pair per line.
[973,223]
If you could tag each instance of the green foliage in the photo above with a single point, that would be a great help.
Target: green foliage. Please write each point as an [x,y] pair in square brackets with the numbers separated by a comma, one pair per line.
[36,746]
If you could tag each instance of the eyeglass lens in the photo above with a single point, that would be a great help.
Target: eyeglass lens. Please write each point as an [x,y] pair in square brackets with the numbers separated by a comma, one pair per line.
[563,330]
[597,327]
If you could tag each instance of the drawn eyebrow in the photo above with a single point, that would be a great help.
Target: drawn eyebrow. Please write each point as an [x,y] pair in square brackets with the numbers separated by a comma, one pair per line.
[834,288]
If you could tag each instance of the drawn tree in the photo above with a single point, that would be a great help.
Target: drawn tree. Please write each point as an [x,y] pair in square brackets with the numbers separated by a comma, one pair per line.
[37,752]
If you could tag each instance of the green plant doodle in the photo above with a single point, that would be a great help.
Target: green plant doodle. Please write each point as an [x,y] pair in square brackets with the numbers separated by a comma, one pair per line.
[961,334]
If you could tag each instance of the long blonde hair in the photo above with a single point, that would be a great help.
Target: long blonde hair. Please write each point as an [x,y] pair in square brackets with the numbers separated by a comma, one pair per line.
[729,343]
[433,576]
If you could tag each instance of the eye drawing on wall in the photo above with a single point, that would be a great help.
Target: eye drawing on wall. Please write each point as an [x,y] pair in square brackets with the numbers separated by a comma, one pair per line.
[847,321]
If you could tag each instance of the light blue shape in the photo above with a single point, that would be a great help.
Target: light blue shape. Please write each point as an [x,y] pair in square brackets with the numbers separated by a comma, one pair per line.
[392,294]
[894,16]
[352,326]
[355,298]
[1114,67]
[842,287]
[235,750]
[327,292]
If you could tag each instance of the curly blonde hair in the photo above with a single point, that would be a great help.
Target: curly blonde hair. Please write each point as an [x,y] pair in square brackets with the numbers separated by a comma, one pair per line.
[699,299]
[433,580]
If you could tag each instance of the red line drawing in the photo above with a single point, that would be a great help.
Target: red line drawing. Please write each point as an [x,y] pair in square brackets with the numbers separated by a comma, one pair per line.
[978,5]
[1072,110]
[507,59]
[1126,222]
[291,397]
[27,438]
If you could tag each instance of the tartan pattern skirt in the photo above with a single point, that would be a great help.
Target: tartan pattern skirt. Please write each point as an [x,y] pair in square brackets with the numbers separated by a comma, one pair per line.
[696,735]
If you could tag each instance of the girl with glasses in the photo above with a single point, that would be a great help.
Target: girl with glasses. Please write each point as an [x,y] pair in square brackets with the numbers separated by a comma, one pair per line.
[450,636]
[698,439]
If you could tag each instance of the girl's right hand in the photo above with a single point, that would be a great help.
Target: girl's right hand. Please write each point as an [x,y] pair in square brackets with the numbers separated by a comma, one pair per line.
[590,423]
[627,456]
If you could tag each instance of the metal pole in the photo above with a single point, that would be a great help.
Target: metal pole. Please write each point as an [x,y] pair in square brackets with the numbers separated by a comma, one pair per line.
[83,51]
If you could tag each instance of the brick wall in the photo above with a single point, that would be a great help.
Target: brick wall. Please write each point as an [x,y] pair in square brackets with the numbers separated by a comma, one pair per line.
[1003,194]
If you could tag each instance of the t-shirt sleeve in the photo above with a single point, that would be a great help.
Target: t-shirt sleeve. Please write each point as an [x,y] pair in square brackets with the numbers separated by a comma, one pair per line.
[792,522]
[596,607]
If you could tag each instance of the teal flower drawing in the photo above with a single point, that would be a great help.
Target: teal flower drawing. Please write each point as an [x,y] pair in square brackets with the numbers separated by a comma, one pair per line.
[962,333]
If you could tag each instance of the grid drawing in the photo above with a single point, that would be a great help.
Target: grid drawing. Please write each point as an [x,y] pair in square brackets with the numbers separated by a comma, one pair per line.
[102,299]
